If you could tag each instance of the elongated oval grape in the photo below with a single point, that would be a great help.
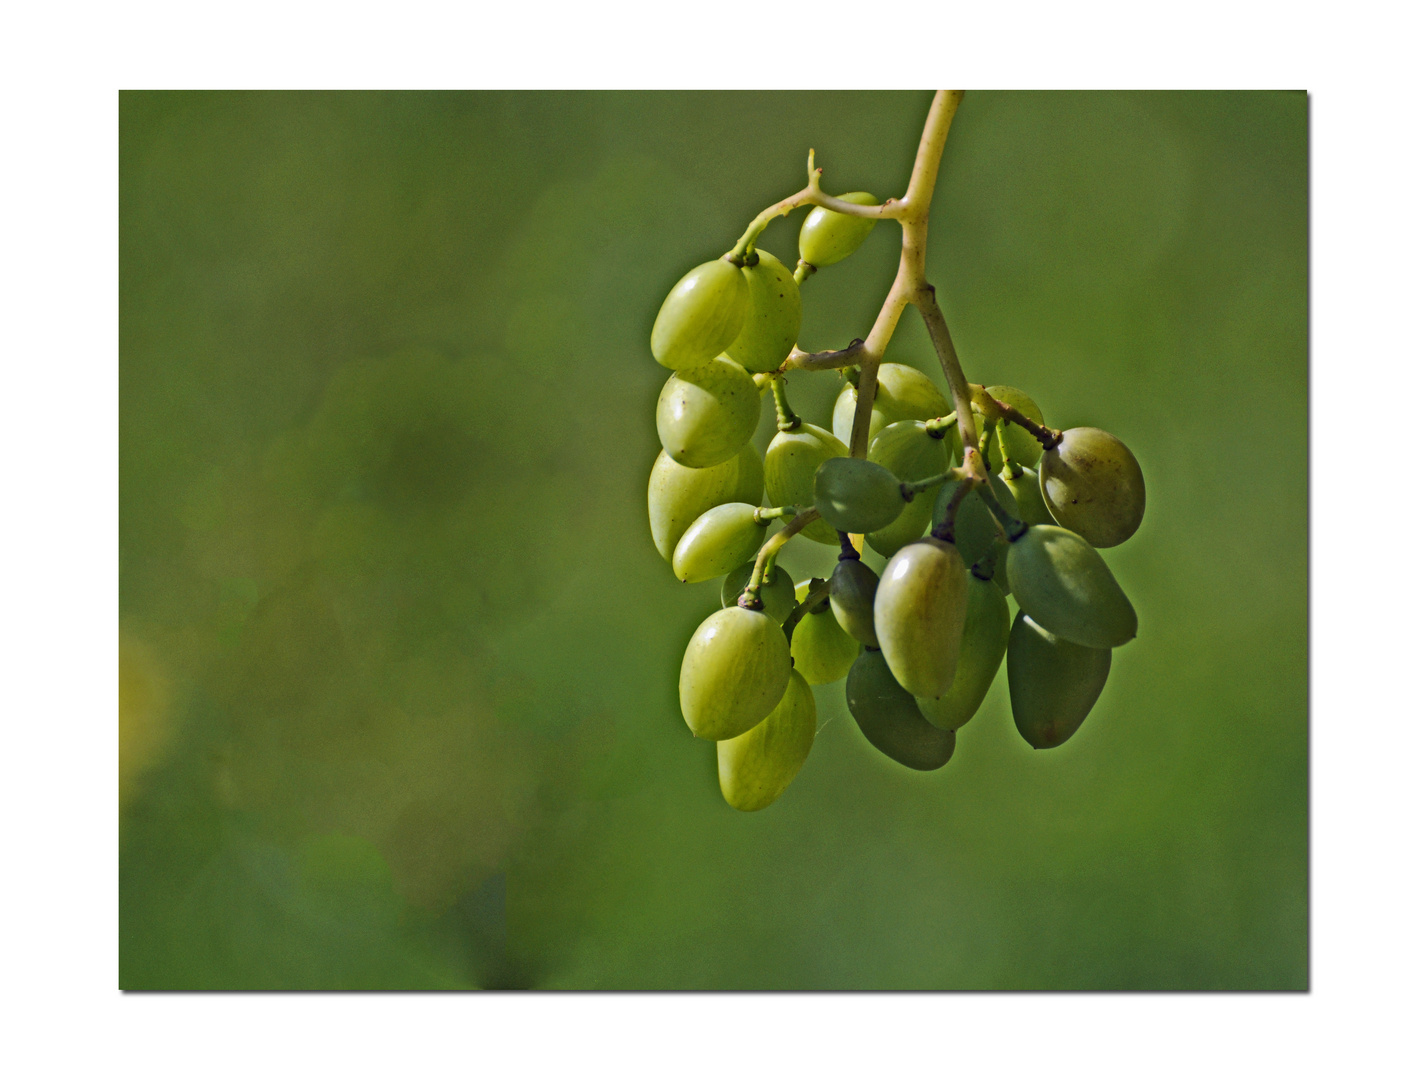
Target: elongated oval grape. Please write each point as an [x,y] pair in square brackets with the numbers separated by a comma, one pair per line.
[754,768]
[1029,503]
[889,718]
[920,614]
[854,495]
[778,595]
[1065,586]
[821,649]
[678,495]
[708,413]
[774,316]
[734,672]
[719,542]
[853,599]
[1053,683]
[792,460]
[1093,484]
[828,237]
[902,393]
[975,528]
[982,649]
[701,315]
[1024,447]
[910,453]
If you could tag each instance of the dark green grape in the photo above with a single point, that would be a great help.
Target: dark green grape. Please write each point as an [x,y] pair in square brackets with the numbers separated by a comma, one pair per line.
[778,595]
[1065,586]
[755,767]
[853,599]
[828,237]
[706,414]
[734,672]
[1024,447]
[910,453]
[1093,485]
[1029,503]
[889,719]
[821,649]
[920,613]
[982,648]
[1053,683]
[793,458]
[774,316]
[678,495]
[701,315]
[975,528]
[719,542]
[902,393]
[854,495]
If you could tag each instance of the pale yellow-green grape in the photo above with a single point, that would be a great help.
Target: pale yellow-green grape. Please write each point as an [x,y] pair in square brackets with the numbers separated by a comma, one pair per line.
[719,542]
[1024,447]
[821,649]
[734,672]
[902,393]
[774,316]
[1030,504]
[854,495]
[777,595]
[889,719]
[792,460]
[975,528]
[754,768]
[910,453]
[853,599]
[920,614]
[828,237]
[982,649]
[1065,586]
[1092,483]
[1053,683]
[701,315]
[678,495]
[706,414]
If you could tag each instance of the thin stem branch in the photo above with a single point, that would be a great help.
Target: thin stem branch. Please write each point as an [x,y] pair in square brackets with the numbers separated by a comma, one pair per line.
[787,420]
[751,597]
[946,528]
[816,593]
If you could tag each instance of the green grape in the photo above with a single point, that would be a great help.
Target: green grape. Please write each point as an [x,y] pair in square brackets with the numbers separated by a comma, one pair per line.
[889,718]
[982,649]
[828,237]
[920,614]
[701,315]
[774,316]
[1093,484]
[679,495]
[719,542]
[910,453]
[792,460]
[1053,683]
[854,495]
[1029,503]
[975,527]
[821,649]
[754,768]
[708,413]
[1024,447]
[1065,586]
[902,393]
[853,599]
[778,595]
[734,672]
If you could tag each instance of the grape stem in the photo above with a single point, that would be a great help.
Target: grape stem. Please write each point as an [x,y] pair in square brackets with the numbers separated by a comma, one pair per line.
[946,529]
[763,514]
[912,488]
[787,420]
[994,408]
[1012,526]
[752,597]
[815,595]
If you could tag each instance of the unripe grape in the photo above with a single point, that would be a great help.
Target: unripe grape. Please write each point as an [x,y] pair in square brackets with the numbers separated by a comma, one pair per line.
[920,613]
[719,542]
[853,599]
[982,649]
[1029,503]
[1093,484]
[1024,447]
[1053,682]
[828,237]
[734,672]
[889,719]
[755,767]
[678,495]
[821,649]
[701,315]
[774,316]
[778,595]
[1066,586]
[902,393]
[975,528]
[792,460]
[706,414]
[854,495]
[910,453]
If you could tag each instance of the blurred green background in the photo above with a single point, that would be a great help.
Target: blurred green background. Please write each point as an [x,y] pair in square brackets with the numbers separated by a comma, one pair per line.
[398,692]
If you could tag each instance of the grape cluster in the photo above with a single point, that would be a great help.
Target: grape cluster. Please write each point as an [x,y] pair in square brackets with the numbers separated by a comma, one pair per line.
[1021,512]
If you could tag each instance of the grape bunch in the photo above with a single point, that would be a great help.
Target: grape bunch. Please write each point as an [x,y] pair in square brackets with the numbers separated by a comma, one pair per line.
[970,501]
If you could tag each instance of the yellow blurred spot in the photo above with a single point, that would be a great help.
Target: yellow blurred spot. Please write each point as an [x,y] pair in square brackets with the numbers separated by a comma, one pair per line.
[145,719]
[858,541]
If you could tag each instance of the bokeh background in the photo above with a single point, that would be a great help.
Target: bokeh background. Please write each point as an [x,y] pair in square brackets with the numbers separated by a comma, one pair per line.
[398,659]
